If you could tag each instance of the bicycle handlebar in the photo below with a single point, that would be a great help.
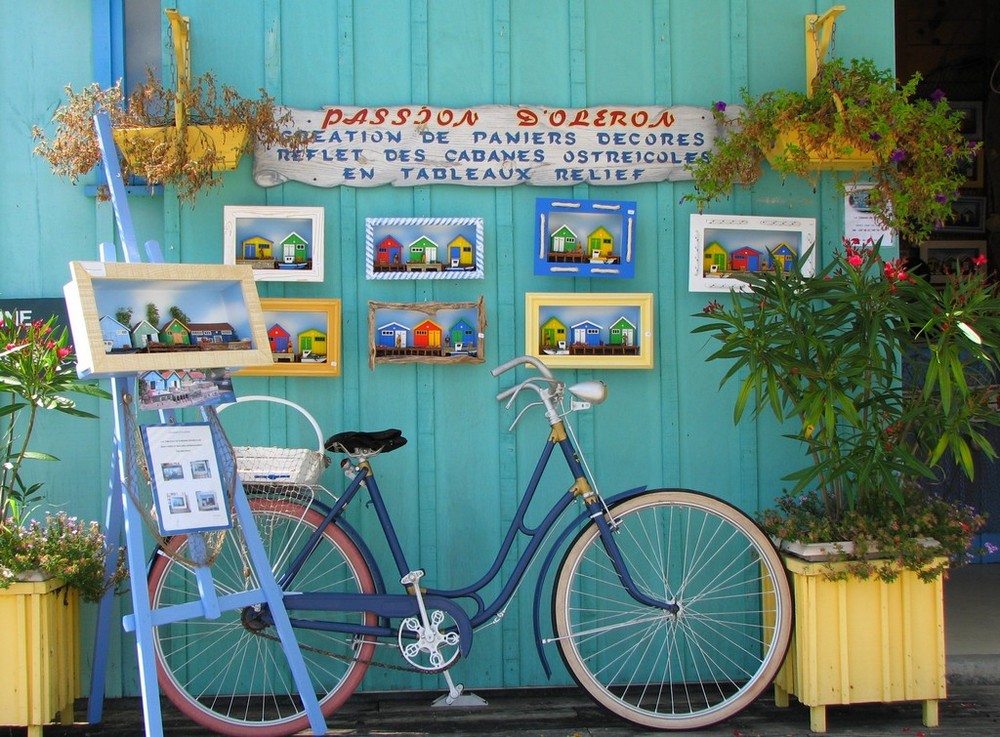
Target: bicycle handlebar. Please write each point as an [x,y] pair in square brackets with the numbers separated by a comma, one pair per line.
[514,362]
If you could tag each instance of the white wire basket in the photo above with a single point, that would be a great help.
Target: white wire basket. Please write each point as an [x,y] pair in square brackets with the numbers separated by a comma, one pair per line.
[268,464]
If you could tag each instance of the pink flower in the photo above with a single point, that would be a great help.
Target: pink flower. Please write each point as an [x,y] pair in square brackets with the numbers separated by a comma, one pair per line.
[854,259]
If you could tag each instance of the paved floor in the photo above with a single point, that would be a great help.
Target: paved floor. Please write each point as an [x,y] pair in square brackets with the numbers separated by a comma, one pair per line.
[972,603]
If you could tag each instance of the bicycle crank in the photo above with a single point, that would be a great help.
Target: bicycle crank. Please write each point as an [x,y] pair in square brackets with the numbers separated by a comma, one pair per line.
[429,643]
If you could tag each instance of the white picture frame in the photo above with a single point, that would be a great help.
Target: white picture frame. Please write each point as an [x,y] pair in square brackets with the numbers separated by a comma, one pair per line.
[278,243]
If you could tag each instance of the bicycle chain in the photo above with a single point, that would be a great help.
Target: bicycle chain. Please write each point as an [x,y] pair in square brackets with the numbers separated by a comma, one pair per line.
[348,658]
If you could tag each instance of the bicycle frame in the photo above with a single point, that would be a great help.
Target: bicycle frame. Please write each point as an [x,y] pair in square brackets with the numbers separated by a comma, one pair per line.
[404,604]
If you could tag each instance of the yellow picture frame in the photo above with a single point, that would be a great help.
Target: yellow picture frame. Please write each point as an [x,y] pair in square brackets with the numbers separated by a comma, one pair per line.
[294,314]
[589,322]
[206,293]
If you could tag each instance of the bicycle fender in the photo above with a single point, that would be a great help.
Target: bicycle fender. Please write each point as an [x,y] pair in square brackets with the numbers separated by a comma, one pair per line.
[574,526]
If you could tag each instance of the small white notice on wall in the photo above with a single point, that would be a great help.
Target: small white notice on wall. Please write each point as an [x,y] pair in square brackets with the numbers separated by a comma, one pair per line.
[861,223]
[186,479]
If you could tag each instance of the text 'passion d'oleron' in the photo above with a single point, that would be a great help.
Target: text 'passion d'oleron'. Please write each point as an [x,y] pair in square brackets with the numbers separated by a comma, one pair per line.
[493,145]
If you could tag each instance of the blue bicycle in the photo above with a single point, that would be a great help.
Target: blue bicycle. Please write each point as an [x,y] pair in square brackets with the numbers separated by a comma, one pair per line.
[669,607]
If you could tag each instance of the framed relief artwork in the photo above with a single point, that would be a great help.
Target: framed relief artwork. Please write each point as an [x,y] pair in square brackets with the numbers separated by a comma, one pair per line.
[580,330]
[135,317]
[426,332]
[424,248]
[303,336]
[945,258]
[586,238]
[278,243]
[968,215]
[974,171]
[724,245]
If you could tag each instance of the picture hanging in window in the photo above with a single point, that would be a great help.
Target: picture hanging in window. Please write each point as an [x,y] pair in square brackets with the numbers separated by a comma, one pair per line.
[585,238]
[278,243]
[303,335]
[426,332]
[968,215]
[724,245]
[589,330]
[129,318]
[424,248]
[948,258]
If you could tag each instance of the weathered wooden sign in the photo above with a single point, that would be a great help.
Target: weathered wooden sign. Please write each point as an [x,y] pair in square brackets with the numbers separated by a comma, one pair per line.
[492,145]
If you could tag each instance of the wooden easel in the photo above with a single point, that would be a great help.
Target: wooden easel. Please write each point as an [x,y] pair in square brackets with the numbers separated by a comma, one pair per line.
[122,512]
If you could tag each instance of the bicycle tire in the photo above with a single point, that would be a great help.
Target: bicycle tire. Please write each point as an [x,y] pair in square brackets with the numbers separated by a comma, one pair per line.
[723,646]
[233,680]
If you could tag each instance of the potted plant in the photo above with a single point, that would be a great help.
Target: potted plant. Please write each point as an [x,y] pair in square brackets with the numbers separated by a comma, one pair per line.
[855,117]
[45,567]
[824,354]
[182,137]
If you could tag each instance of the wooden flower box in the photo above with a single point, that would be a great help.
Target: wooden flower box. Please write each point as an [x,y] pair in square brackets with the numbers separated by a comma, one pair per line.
[857,641]
[40,678]
[228,143]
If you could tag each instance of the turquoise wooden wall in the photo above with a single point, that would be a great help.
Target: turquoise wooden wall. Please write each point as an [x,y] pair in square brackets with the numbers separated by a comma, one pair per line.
[456,484]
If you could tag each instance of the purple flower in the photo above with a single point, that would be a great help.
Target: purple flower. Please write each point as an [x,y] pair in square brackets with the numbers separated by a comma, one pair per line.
[940,198]
[937,95]
[949,151]
[898,155]
[875,136]
[720,107]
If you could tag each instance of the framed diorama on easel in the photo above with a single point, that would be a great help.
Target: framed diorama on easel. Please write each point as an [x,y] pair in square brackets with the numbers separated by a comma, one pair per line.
[588,330]
[948,258]
[303,335]
[129,318]
[278,243]
[426,332]
[424,248]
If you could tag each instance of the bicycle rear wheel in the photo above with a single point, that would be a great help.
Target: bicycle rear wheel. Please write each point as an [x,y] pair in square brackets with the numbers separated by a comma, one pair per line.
[674,670]
[230,674]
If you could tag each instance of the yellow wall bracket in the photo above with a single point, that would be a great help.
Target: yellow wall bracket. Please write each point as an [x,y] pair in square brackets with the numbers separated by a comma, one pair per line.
[180,28]
[819,33]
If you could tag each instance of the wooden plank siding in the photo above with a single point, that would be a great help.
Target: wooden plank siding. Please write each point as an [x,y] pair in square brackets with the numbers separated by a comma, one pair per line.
[669,426]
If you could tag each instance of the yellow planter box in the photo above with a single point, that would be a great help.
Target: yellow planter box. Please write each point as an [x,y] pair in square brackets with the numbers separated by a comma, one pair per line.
[228,143]
[834,157]
[857,641]
[40,677]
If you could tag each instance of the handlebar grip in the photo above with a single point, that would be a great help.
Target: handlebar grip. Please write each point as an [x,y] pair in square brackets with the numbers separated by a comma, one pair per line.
[542,368]
[507,393]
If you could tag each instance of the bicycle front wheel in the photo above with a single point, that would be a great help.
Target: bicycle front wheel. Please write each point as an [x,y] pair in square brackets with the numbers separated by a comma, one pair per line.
[686,666]
[231,674]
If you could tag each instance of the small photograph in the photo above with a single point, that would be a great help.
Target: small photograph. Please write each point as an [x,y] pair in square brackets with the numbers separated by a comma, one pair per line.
[172,471]
[207,501]
[201,470]
[178,503]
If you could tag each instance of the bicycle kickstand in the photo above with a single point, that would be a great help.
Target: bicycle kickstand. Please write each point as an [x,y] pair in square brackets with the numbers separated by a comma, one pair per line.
[432,638]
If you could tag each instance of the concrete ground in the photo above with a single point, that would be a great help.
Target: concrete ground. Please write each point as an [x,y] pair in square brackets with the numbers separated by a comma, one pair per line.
[972,602]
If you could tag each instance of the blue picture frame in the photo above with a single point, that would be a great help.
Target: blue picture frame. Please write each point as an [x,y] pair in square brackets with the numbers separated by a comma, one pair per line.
[585,238]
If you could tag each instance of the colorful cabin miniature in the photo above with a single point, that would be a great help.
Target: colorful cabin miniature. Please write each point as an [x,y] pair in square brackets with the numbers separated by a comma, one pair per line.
[746,259]
[715,259]
[279,339]
[622,332]
[294,249]
[212,332]
[257,248]
[783,258]
[460,254]
[423,251]
[175,333]
[314,341]
[600,244]
[392,335]
[553,333]
[144,333]
[563,240]
[463,334]
[427,334]
[587,332]
[389,252]
[116,336]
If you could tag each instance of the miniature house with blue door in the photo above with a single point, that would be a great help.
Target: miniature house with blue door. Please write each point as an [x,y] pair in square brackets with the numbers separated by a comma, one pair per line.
[257,248]
[782,258]
[746,259]
[116,336]
[460,253]
[587,332]
[212,332]
[392,335]
[389,251]
[278,339]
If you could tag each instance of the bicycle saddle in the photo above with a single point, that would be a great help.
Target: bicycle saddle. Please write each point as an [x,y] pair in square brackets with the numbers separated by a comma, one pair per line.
[355,441]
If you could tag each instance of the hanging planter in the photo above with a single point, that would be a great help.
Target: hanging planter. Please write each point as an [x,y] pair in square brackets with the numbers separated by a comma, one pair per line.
[219,147]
